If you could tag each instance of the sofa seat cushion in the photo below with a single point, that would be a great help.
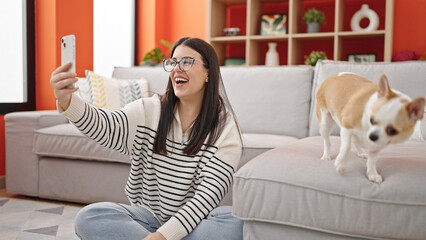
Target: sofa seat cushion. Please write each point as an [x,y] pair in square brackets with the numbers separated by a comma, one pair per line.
[290,185]
[256,143]
[64,140]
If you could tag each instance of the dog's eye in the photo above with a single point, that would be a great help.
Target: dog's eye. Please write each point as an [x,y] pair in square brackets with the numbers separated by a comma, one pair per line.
[372,121]
[390,131]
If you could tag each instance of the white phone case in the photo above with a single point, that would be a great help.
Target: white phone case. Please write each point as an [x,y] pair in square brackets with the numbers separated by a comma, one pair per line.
[68,52]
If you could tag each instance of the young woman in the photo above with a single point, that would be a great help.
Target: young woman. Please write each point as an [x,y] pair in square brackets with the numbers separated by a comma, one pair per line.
[184,148]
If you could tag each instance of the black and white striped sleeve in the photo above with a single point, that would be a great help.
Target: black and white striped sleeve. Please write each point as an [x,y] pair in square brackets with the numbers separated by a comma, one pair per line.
[110,129]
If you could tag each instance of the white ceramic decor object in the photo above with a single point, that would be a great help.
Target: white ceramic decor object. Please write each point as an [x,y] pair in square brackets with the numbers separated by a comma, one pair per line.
[365,12]
[272,58]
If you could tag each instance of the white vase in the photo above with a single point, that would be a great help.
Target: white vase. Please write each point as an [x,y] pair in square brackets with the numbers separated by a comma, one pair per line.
[272,57]
[365,12]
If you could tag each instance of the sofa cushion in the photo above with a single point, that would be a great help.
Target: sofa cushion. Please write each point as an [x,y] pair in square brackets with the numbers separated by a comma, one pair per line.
[156,76]
[286,91]
[255,143]
[66,141]
[407,77]
[270,100]
[290,185]
[110,93]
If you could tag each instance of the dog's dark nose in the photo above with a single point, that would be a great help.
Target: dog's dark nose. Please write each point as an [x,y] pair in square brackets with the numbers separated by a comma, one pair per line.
[373,137]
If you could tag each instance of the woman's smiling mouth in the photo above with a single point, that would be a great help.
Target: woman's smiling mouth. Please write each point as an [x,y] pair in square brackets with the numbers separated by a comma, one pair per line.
[180,81]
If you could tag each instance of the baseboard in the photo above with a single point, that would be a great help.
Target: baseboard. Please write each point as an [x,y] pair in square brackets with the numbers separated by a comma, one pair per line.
[2,182]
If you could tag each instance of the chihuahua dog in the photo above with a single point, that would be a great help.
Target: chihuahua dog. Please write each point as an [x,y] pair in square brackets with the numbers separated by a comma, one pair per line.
[372,115]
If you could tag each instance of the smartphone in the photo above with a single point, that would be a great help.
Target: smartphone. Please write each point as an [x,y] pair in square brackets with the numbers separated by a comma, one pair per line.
[68,53]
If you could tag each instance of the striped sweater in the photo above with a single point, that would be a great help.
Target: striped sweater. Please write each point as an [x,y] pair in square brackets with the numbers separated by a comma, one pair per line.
[180,190]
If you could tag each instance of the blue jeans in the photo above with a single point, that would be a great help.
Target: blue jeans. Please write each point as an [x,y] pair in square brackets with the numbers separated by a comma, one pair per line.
[107,220]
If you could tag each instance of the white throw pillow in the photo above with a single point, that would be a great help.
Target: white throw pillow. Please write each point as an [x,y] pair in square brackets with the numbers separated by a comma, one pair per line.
[110,93]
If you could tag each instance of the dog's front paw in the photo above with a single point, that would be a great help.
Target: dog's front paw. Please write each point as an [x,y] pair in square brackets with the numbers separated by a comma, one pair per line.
[325,158]
[376,178]
[340,163]
[340,167]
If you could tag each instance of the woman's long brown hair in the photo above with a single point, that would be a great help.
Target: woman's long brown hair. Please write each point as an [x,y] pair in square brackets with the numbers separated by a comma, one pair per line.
[212,117]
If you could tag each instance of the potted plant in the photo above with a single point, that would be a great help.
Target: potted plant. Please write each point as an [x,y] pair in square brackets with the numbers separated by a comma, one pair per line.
[313,18]
[314,56]
[155,56]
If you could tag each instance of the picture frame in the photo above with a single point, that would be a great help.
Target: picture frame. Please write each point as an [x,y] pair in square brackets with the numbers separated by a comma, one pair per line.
[363,58]
[273,24]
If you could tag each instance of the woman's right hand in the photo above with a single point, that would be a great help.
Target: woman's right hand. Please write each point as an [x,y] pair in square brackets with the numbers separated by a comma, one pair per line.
[60,81]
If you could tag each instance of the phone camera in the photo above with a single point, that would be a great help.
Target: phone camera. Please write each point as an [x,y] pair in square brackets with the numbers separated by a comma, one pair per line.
[62,40]
[65,44]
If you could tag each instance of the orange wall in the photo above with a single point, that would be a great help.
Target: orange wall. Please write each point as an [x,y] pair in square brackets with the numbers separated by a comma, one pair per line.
[151,26]
[55,19]
[161,19]
[409,26]
[188,19]
[168,20]
[145,32]
[45,32]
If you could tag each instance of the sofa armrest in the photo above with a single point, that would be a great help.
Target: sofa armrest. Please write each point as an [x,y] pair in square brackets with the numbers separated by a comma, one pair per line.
[21,162]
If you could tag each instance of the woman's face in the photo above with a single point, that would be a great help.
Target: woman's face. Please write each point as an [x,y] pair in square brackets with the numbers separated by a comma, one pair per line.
[189,85]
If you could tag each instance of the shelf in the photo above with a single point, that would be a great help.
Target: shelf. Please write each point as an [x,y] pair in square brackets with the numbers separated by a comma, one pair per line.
[313,35]
[372,34]
[229,39]
[232,1]
[269,38]
[335,37]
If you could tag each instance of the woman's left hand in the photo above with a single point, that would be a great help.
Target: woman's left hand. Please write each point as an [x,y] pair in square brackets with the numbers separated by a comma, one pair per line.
[155,236]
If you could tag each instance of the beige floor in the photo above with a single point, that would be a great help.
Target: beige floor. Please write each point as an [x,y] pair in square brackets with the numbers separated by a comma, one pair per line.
[3,193]
[36,219]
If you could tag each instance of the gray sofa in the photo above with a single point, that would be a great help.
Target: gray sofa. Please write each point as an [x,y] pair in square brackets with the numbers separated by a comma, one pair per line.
[282,190]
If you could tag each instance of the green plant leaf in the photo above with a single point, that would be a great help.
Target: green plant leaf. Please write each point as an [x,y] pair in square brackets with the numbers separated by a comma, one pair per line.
[313,15]
[314,56]
[165,43]
[156,56]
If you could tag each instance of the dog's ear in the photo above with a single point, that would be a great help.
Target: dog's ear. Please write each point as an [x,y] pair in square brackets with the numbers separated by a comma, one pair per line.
[384,88]
[416,108]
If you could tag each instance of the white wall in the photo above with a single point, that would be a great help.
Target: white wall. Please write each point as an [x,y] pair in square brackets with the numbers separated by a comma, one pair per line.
[13,75]
[113,35]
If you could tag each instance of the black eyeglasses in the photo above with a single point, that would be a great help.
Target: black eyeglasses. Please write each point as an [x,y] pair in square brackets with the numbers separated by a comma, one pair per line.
[185,64]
